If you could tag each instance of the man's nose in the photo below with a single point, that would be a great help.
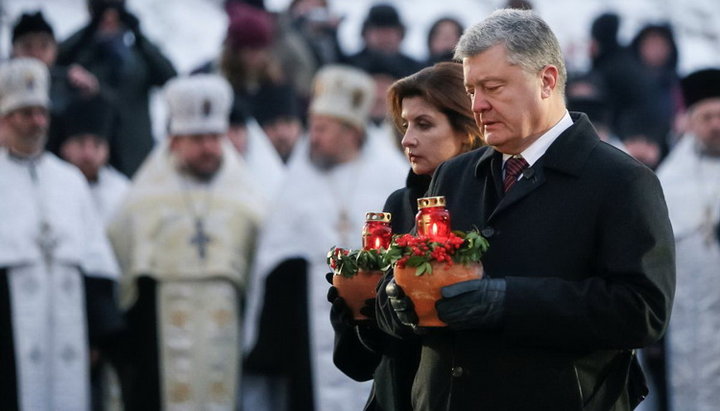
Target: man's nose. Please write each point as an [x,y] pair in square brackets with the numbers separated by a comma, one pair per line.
[480,104]
[40,117]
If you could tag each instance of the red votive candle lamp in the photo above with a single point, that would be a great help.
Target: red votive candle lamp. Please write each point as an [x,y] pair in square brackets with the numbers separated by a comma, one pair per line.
[433,219]
[377,232]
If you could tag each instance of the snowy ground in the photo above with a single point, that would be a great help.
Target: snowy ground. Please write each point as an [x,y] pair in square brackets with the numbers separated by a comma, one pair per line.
[191,31]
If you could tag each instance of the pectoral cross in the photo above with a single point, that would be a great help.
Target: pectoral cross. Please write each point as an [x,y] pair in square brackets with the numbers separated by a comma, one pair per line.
[47,242]
[200,239]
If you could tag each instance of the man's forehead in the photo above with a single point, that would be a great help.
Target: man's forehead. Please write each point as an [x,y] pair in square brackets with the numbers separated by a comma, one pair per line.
[83,137]
[197,136]
[34,37]
[486,65]
[325,120]
[706,106]
[29,110]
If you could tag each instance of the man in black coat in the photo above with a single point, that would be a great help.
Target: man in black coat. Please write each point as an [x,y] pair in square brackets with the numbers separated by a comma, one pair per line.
[580,269]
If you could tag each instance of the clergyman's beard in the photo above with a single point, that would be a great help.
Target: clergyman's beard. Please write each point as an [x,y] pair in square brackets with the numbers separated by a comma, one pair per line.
[203,174]
[31,143]
[712,147]
[323,162]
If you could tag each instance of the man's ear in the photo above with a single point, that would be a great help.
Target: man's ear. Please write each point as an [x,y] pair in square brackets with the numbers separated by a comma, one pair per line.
[549,78]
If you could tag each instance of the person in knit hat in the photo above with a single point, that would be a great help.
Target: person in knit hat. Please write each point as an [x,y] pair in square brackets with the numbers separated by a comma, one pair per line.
[88,127]
[383,33]
[184,239]
[33,34]
[278,113]
[246,59]
[57,270]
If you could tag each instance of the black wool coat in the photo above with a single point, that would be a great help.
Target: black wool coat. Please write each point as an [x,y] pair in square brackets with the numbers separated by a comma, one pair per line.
[586,247]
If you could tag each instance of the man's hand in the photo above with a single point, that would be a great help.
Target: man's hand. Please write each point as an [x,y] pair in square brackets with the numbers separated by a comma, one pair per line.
[474,304]
[84,80]
[402,304]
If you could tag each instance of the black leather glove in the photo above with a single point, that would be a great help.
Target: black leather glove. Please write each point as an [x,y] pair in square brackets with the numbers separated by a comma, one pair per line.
[474,304]
[342,320]
[402,304]
[341,317]
[385,315]
[368,310]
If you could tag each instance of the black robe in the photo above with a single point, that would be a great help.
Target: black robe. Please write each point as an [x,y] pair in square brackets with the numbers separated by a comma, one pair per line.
[282,350]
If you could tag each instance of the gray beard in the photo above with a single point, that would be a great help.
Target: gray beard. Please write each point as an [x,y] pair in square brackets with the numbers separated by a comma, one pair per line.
[323,163]
[198,175]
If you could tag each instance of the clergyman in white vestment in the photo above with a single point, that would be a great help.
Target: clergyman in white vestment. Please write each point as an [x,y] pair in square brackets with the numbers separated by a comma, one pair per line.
[184,239]
[333,180]
[690,177]
[53,250]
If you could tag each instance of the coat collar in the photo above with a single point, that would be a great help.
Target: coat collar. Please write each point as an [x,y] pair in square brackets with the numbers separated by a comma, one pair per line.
[567,154]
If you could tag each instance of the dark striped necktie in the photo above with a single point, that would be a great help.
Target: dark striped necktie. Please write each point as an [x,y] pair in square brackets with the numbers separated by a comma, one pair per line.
[513,167]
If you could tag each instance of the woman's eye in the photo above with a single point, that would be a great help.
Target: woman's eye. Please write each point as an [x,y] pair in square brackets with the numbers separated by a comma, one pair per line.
[424,126]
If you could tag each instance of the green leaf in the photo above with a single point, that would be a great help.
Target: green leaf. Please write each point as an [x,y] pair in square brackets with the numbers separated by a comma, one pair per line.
[428,267]
[415,260]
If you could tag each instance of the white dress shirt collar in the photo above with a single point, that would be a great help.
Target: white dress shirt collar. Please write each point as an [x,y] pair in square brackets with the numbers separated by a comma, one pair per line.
[536,150]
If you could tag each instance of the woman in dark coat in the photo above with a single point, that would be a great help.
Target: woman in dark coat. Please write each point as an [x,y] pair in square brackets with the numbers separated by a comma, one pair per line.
[432,110]
[655,49]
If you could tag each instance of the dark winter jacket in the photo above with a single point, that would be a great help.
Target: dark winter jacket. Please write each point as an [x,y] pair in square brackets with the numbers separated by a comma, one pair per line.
[128,66]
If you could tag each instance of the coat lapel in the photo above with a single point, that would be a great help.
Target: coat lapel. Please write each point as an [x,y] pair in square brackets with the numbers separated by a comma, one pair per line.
[567,154]
[532,179]
[490,166]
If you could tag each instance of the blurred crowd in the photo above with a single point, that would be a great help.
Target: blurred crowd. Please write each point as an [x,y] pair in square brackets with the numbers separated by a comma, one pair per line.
[265,142]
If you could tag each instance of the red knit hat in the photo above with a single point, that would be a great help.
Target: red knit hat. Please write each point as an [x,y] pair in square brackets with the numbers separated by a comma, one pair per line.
[249,27]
